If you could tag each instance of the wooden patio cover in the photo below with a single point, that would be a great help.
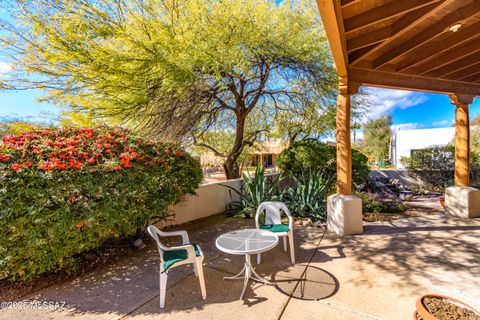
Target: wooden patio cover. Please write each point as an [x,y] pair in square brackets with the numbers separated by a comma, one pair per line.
[423,45]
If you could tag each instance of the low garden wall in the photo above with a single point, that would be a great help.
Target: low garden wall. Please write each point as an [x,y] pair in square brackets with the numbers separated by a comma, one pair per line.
[211,199]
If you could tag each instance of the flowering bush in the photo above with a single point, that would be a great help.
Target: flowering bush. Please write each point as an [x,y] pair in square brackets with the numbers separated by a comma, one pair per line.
[66,191]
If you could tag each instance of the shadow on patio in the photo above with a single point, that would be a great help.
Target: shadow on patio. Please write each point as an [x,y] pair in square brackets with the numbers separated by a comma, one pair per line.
[350,276]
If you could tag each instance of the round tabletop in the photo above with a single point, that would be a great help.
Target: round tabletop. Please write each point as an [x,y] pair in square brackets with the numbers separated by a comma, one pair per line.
[246,241]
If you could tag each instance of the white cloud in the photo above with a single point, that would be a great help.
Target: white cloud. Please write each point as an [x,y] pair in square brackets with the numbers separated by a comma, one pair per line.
[442,123]
[407,126]
[5,68]
[384,101]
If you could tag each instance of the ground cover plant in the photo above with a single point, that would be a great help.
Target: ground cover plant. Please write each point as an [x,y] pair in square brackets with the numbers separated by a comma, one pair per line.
[66,191]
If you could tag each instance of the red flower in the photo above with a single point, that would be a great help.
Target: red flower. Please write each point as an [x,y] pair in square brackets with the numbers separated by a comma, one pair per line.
[91,160]
[126,163]
[15,166]
[62,166]
[4,158]
[80,224]
[27,164]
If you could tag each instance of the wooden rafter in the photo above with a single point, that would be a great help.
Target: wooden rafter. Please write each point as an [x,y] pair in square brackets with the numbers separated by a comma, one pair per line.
[464,73]
[355,58]
[454,66]
[345,3]
[385,12]
[431,57]
[382,34]
[409,82]
[428,34]
[471,78]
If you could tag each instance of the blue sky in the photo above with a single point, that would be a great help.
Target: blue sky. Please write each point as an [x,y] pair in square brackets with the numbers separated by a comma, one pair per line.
[416,110]
[408,109]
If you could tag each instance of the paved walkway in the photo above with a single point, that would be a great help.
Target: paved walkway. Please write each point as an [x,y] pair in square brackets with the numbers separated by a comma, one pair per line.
[376,275]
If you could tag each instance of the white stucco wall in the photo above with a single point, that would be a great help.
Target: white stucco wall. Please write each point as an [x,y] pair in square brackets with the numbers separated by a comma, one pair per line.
[404,141]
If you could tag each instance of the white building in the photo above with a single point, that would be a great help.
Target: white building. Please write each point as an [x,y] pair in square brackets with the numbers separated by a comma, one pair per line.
[404,142]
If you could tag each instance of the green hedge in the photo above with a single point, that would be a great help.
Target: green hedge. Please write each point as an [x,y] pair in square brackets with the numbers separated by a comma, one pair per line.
[314,155]
[64,192]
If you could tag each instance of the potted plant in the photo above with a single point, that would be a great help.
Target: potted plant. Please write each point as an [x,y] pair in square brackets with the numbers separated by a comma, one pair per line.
[436,307]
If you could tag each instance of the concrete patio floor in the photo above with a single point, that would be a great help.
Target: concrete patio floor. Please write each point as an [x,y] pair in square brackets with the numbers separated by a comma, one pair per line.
[375,275]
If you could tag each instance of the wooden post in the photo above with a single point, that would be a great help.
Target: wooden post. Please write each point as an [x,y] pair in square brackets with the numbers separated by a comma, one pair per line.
[343,140]
[462,139]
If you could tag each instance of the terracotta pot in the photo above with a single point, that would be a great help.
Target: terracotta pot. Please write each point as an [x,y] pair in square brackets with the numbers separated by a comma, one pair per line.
[442,201]
[423,312]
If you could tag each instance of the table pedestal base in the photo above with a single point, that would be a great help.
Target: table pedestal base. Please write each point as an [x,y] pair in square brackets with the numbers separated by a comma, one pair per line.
[248,272]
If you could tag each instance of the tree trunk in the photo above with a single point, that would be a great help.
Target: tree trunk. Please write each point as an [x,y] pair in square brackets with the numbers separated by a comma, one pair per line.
[232,170]
[292,139]
[231,167]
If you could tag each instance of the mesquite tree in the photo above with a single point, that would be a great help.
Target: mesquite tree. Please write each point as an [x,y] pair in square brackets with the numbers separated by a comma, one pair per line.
[176,68]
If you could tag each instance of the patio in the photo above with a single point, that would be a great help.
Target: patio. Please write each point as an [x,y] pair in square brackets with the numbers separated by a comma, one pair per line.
[374,275]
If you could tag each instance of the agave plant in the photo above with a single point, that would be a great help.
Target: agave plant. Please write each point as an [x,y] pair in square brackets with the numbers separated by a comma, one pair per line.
[307,198]
[255,190]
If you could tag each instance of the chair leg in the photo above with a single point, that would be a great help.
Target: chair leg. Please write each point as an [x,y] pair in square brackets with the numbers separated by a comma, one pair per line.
[259,258]
[195,269]
[292,247]
[201,277]
[284,244]
[163,288]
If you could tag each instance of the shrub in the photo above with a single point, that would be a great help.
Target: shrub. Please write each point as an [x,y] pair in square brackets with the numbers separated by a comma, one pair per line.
[435,165]
[307,197]
[66,191]
[371,203]
[314,155]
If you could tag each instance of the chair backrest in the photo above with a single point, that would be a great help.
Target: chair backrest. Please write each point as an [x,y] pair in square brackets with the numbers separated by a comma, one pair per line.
[273,212]
[154,233]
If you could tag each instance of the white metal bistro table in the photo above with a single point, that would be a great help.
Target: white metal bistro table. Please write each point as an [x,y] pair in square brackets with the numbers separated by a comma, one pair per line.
[247,242]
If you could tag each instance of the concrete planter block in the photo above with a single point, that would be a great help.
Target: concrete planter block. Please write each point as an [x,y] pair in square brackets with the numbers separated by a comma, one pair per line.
[344,214]
[462,202]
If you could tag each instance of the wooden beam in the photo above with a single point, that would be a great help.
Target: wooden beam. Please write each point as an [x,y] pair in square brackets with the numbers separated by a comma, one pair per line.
[454,66]
[461,74]
[410,82]
[355,59]
[444,57]
[462,140]
[382,34]
[368,39]
[472,78]
[428,34]
[385,12]
[332,21]
[346,3]
[343,140]
[433,56]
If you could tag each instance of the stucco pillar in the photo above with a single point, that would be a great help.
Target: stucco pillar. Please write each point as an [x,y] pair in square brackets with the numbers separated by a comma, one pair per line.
[462,200]
[344,211]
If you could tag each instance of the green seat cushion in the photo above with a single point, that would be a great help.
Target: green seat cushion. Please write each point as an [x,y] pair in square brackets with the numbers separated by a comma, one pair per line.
[275,227]
[174,256]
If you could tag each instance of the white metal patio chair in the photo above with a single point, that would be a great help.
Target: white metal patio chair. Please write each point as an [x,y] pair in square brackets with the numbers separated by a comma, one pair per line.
[171,257]
[273,222]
